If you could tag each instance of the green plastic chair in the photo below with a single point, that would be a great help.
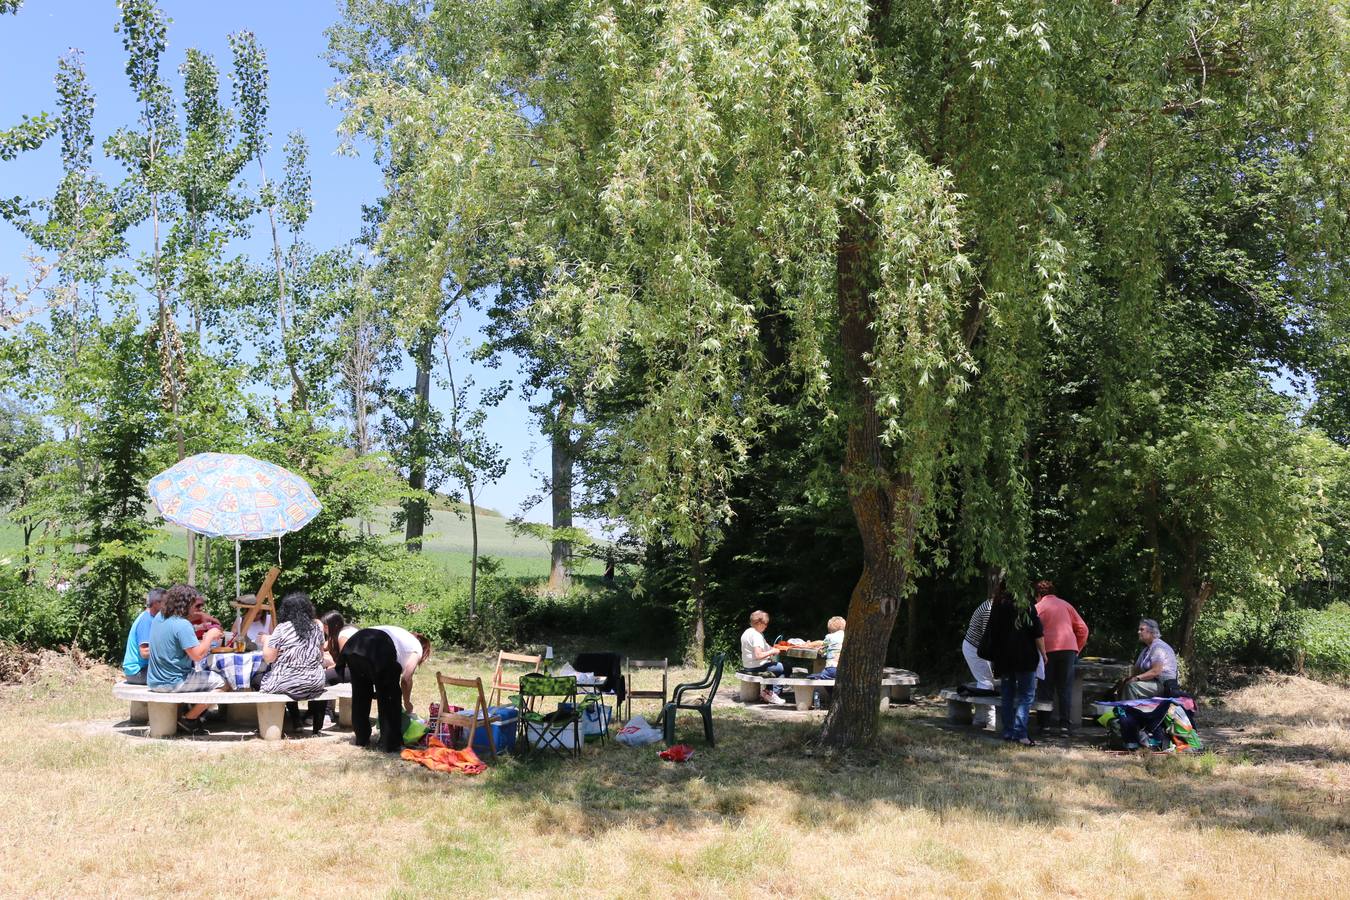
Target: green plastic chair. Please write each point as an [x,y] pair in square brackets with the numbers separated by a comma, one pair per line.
[702,703]
[540,730]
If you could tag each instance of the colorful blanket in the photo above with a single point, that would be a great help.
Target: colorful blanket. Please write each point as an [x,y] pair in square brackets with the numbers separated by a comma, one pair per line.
[439,758]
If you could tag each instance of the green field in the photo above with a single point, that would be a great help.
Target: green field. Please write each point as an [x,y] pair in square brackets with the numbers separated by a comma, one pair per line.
[448,541]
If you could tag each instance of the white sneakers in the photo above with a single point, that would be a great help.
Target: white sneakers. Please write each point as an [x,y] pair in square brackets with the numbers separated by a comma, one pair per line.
[769,696]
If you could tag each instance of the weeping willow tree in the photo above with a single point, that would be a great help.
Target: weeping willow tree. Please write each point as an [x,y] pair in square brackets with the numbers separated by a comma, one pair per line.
[916,190]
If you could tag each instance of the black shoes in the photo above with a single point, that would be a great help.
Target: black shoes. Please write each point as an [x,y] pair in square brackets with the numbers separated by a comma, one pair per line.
[191,727]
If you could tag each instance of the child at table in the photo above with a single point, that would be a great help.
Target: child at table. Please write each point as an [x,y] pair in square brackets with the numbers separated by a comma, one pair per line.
[830,648]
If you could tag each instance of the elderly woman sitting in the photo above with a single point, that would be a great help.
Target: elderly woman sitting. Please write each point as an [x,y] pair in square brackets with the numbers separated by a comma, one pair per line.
[1155,670]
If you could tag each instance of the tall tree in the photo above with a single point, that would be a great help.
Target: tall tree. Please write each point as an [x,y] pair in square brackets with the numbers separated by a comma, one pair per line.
[913,189]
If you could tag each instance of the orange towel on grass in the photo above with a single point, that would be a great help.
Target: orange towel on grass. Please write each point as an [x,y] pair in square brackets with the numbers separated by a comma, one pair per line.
[440,758]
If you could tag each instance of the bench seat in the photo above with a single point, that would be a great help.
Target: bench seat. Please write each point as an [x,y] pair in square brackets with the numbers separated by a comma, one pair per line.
[961,707]
[160,708]
[895,684]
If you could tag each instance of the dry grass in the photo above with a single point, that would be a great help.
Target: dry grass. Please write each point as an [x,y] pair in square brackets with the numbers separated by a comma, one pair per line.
[107,812]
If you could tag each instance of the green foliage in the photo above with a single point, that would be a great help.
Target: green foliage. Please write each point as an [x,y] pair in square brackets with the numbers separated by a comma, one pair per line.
[1325,639]
[122,386]
[34,614]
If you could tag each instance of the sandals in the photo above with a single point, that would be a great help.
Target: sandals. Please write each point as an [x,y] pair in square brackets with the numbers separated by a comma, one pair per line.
[1027,742]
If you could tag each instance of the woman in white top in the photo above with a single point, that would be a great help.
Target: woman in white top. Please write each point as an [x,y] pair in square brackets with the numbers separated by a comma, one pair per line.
[757,657]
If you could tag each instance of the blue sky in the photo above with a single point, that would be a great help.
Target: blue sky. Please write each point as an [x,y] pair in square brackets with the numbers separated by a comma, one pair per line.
[292,33]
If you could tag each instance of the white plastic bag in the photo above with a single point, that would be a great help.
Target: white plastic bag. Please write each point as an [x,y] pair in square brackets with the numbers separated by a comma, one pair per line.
[591,718]
[638,733]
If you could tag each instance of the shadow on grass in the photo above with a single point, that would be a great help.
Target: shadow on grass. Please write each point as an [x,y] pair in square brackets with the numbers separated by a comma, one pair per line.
[920,764]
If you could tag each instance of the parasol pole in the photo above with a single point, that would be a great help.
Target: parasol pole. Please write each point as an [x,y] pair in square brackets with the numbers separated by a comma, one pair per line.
[236,569]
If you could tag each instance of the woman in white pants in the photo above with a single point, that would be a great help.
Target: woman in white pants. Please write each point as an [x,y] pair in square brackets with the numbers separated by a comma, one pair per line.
[979,668]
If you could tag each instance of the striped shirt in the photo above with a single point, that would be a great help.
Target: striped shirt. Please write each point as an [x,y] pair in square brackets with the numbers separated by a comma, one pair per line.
[978,622]
[298,668]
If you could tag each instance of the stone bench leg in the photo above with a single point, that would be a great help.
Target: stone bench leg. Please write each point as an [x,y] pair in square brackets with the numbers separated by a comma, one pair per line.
[345,712]
[960,712]
[803,696]
[270,719]
[163,719]
[900,693]
[749,691]
[140,712]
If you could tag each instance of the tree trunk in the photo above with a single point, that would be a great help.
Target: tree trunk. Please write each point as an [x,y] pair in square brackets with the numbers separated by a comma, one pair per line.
[561,442]
[698,592]
[880,500]
[299,390]
[29,526]
[473,566]
[1198,593]
[417,444]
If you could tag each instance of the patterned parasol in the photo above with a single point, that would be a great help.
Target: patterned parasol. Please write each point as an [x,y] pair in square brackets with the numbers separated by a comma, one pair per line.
[233,496]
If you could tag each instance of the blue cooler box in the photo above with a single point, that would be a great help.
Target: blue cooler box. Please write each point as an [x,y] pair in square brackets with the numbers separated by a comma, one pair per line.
[503,733]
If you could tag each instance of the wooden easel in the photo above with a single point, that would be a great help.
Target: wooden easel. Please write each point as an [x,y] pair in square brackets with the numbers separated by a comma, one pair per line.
[263,602]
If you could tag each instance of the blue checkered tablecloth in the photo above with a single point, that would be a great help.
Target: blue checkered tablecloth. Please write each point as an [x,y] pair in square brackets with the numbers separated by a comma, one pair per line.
[238,668]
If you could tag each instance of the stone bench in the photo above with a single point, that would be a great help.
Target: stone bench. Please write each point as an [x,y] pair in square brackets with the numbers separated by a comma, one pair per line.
[895,686]
[961,708]
[160,708]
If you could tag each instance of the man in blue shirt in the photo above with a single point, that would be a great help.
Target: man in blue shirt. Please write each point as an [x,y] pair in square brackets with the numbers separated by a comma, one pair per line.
[136,660]
[174,648]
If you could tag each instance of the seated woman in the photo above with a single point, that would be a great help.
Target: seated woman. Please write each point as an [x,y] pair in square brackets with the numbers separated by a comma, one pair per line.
[294,652]
[174,648]
[755,650]
[335,632]
[830,648]
[201,620]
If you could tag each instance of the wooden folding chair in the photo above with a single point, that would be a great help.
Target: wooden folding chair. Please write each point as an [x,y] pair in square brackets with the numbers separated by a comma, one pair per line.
[263,602]
[466,719]
[649,694]
[499,683]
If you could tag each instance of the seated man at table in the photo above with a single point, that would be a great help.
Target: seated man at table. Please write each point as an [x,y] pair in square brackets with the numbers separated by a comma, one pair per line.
[755,650]
[1155,667]
[829,648]
[136,659]
[174,648]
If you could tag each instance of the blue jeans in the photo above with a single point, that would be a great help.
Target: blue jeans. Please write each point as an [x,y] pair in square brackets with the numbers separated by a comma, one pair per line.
[773,670]
[1019,689]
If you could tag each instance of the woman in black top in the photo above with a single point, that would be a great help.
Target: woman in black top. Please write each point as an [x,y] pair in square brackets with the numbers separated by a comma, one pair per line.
[1014,644]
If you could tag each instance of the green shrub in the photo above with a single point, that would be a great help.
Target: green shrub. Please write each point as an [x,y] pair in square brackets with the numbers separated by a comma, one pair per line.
[1325,637]
[33,614]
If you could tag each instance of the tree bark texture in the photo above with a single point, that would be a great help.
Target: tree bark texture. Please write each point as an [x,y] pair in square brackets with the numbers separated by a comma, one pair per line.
[698,589]
[561,443]
[417,445]
[880,500]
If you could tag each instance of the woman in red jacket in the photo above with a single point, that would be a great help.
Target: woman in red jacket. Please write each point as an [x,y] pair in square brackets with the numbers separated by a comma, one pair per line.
[1066,635]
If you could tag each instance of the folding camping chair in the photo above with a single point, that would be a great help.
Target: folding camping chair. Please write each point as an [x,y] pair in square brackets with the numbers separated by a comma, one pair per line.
[540,730]
[469,720]
[499,682]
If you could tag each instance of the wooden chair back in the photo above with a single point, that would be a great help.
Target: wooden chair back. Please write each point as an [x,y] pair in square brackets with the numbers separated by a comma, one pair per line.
[500,686]
[263,602]
[467,719]
[648,693]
